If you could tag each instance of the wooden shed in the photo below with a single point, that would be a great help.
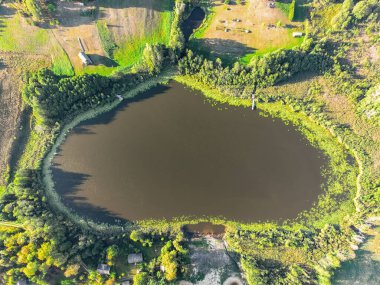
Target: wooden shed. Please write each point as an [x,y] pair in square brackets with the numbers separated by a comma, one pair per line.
[297,34]
[104,269]
[134,258]
[84,58]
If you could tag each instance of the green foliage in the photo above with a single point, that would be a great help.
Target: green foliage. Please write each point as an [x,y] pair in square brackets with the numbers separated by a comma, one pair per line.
[367,9]
[343,19]
[292,10]
[169,261]
[56,99]
[153,58]
[34,7]
[141,278]
[241,81]
[112,253]
[130,52]
[105,37]
[177,40]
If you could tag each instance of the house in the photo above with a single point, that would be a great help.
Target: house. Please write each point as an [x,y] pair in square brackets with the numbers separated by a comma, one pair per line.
[104,269]
[134,258]
[297,34]
[84,58]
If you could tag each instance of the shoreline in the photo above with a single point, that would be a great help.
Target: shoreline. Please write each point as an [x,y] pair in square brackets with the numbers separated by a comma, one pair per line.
[177,222]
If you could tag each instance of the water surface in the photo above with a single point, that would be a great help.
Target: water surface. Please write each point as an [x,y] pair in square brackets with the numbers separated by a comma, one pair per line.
[193,22]
[171,152]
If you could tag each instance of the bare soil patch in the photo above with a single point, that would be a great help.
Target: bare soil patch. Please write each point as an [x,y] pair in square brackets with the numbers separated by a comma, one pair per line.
[210,260]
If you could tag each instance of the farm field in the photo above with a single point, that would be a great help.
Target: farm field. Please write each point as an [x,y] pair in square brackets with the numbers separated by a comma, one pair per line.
[259,30]
[129,25]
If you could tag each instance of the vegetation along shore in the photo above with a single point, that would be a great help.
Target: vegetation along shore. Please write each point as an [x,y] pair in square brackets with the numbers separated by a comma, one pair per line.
[313,64]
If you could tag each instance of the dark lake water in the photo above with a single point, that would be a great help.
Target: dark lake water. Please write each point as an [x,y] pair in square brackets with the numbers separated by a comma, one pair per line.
[171,152]
[193,22]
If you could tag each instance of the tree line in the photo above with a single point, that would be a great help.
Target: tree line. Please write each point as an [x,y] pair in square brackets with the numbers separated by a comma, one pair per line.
[56,98]
[242,81]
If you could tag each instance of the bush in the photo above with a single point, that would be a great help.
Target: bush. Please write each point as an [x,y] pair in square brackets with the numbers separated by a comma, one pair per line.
[105,38]
[292,10]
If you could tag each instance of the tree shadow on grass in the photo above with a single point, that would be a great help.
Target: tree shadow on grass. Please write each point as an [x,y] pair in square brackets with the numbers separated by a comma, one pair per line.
[102,60]
[227,50]
[157,5]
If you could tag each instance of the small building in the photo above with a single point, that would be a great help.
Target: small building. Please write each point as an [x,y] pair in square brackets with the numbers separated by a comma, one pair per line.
[84,58]
[297,34]
[162,268]
[272,5]
[104,269]
[134,258]
[124,281]
[22,282]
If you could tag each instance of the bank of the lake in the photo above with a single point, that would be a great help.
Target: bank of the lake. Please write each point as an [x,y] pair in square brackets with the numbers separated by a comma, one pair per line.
[170,153]
[337,147]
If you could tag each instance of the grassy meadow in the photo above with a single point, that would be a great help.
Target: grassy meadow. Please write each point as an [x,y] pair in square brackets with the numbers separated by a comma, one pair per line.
[19,36]
[269,29]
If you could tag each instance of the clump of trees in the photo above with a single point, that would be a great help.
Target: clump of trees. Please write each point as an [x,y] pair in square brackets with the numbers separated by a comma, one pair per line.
[34,8]
[242,81]
[254,245]
[45,240]
[350,13]
[153,58]
[292,10]
[105,37]
[56,98]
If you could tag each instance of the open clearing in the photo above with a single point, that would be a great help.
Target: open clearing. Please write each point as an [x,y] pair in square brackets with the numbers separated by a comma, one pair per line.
[269,29]
[17,35]
[131,24]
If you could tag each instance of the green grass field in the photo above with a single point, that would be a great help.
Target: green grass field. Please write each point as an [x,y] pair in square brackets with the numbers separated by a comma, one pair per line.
[19,36]
[131,51]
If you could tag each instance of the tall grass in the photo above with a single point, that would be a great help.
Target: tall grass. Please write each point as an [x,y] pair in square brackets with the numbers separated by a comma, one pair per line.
[130,52]
[105,37]
[60,60]
[19,36]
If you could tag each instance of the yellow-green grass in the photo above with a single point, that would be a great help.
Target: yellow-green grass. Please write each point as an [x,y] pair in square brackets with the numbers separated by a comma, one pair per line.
[246,54]
[130,52]
[324,16]
[19,36]
[99,69]
[292,42]
[210,14]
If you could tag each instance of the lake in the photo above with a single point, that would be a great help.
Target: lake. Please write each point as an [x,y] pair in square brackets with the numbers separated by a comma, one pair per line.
[171,152]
